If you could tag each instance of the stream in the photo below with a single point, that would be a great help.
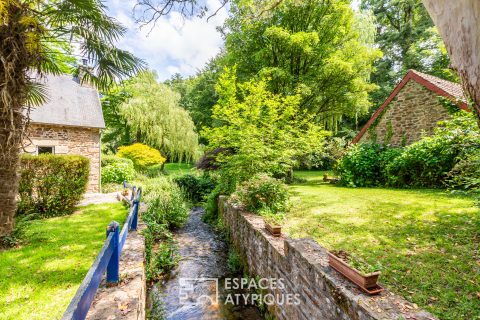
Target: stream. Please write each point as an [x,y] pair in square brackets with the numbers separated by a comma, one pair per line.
[195,288]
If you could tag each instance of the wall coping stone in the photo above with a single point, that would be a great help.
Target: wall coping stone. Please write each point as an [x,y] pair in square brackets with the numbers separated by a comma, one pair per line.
[303,263]
[126,300]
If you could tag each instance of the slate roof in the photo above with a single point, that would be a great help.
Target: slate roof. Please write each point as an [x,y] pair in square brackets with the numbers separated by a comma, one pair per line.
[69,104]
[439,86]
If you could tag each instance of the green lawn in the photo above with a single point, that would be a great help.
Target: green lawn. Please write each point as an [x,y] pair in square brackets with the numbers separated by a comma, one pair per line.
[38,279]
[426,240]
[178,168]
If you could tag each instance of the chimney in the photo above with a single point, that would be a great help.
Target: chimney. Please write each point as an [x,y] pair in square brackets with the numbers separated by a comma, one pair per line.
[82,70]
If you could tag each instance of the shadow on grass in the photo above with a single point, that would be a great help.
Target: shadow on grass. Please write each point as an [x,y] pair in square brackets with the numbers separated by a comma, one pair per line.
[427,240]
[38,279]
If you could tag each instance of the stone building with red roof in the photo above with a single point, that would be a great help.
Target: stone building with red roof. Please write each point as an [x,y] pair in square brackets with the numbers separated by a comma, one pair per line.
[412,110]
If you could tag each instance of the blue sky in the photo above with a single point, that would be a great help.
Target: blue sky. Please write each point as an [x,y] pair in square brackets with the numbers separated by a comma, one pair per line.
[174,44]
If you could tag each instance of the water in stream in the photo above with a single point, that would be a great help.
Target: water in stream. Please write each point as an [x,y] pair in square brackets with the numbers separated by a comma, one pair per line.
[195,288]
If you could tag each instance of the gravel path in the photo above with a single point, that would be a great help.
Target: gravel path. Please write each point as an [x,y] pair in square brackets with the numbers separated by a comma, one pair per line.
[98,198]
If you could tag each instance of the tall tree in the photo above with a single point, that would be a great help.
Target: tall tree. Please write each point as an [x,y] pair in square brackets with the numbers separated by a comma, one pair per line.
[259,131]
[152,114]
[318,48]
[408,40]
[459,27]
[29,29]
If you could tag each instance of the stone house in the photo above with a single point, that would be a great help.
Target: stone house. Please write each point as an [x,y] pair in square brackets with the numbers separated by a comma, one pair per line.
[70,122]
[412,110]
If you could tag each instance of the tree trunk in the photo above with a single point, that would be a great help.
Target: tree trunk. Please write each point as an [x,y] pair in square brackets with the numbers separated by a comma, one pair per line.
[458,24]
[14,59]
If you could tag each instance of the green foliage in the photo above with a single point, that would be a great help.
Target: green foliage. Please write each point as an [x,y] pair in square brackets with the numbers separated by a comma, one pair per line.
[263,194]
[259,131]
[234,262]
[427,162]
[166,211]
[51,185]
[116,169]
[363,165]
[325,159]
[321,49]
[408,39]
[196,188]
[141,155]
[465,174]
[166,203]
[152,115]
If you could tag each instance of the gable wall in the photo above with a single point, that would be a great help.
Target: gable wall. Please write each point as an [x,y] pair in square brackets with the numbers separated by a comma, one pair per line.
[69,140]
[413,113]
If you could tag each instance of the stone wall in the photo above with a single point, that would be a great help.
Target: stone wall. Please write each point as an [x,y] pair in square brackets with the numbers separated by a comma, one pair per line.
[303,266]
[69,140]
[413,113]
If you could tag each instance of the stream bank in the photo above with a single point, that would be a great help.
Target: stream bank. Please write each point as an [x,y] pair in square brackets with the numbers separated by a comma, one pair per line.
[194,289]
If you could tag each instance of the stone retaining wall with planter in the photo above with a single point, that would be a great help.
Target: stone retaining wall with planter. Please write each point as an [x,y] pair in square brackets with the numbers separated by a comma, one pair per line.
[302,264]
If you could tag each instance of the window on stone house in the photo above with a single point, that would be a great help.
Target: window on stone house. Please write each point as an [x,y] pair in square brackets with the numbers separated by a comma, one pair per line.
[45,150]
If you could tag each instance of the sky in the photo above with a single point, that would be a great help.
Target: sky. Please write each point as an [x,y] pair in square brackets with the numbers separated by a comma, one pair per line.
[173,45]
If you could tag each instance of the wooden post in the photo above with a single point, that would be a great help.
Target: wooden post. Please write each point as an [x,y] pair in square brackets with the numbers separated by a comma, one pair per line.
[114,263]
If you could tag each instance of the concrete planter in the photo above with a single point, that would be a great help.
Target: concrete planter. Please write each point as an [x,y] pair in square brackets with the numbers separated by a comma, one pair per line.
[275,230]
[367,282]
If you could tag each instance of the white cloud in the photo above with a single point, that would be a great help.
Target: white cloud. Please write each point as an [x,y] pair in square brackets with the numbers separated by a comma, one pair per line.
[174,44]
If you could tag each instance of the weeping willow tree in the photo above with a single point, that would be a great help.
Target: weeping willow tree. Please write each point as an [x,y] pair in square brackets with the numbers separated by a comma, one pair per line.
[153,114]
[30,31]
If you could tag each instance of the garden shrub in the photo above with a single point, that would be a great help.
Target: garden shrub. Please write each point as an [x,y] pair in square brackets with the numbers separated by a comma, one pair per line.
[154,171]
[465,174]
[196,188]
[326,157]
[363,165]
[166,203]
[142,156]
[166,210]
[116,169]
[51,185]
[263,194]
[427,162]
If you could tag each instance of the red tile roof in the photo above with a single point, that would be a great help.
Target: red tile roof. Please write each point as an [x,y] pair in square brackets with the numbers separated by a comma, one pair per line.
[439,86]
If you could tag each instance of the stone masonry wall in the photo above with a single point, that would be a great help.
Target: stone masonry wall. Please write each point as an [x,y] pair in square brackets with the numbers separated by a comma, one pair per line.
[303,266]
[413,113]
[69,140]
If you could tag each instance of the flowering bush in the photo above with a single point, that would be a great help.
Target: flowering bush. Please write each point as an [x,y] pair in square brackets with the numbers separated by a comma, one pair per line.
[116,169]
[142,156]
[263,194]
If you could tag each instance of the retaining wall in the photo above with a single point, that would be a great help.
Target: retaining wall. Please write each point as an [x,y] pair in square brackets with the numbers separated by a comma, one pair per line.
[303,266]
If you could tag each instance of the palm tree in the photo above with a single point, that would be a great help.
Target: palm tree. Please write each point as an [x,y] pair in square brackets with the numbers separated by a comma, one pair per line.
[30,30]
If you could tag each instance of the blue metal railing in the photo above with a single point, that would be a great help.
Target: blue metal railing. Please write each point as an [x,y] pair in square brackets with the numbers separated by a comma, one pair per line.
[108,260]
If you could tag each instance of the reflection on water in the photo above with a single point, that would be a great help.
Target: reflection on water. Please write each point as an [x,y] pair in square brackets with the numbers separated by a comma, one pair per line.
[191,291]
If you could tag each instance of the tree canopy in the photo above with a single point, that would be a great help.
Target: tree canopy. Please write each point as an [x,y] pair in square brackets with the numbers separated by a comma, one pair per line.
[319,49]
[144,110]
[408,39]
[260,131]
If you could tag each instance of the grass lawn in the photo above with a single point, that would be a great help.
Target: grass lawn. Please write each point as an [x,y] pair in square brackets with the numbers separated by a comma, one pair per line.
[178,168]
[38,279]
[426,240]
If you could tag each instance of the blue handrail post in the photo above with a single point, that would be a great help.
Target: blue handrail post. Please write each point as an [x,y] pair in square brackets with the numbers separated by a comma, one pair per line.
[114,263]
[135,215]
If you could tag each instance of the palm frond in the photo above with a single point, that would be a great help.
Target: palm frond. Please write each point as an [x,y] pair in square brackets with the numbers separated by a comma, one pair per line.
[37,93]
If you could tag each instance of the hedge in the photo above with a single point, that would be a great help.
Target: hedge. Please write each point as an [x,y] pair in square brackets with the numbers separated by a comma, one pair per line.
[51,185]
